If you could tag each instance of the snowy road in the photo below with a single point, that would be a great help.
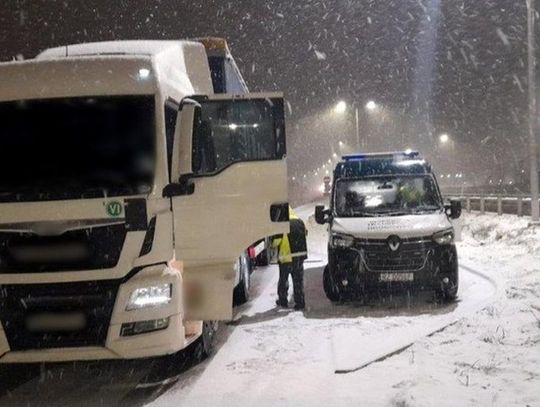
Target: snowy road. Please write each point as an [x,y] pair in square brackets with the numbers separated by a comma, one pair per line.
[269,353]
[291,358]
[269,356]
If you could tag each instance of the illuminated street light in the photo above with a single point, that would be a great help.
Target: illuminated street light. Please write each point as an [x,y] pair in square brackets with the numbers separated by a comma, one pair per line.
[371,105]
[340,108]
[444,138]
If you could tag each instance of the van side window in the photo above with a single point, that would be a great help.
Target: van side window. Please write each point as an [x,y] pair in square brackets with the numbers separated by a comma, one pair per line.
[171,110]
[234,131]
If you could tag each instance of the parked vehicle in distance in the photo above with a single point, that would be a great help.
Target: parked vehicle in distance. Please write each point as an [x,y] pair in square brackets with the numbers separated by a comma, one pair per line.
[388,228]
[327,188]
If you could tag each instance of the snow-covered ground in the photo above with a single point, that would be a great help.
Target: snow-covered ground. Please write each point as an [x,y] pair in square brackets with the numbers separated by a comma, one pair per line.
[487,352]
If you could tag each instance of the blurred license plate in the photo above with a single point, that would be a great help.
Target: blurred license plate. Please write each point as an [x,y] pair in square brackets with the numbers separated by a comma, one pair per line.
[52,322]
[396,277]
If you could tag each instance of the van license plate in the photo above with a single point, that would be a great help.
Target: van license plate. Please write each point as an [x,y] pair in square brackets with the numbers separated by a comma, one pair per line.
[385,277]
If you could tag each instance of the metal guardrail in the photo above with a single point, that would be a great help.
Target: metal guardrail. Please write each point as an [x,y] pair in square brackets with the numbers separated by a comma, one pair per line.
[516,204]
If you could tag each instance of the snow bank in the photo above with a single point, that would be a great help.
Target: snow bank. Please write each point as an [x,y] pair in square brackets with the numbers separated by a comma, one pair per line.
[501,231]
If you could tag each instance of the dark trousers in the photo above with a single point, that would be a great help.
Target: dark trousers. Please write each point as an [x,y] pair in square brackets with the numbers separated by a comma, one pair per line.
[296,269]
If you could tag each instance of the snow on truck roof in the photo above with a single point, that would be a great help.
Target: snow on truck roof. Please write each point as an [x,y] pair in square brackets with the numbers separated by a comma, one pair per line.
[107,68]
[130,47]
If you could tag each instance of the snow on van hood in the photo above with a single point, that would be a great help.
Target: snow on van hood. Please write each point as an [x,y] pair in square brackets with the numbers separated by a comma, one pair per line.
[382,227]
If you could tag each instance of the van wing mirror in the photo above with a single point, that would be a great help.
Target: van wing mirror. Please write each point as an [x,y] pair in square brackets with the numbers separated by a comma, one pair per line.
[322,215]
[453,210]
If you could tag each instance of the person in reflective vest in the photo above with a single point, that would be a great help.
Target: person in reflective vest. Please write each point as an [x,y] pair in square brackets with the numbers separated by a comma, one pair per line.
[292,251]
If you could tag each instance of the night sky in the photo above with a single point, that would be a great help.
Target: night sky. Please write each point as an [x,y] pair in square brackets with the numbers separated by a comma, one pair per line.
[434,66]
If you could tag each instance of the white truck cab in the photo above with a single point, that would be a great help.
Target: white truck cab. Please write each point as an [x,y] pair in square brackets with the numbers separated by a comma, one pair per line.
[128,190]
[388,228]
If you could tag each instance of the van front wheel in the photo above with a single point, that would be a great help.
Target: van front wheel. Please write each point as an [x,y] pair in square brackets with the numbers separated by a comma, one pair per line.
[330,289]
[448,292]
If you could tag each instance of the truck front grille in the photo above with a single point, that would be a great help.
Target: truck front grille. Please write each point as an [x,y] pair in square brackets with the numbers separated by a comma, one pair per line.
[85,249]
[92,301]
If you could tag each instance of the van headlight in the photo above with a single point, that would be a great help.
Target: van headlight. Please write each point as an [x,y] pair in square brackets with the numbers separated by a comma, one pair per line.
[151,296]
[339,240]
[444,237]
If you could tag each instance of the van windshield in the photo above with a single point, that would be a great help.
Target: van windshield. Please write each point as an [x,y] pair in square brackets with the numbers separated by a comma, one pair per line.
[386,196]
[71,148]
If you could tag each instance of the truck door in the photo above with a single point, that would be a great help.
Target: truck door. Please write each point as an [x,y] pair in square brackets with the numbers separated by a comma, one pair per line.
[228,190]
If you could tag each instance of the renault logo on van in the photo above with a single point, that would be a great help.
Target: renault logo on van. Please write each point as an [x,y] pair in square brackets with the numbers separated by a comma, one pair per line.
[393,242]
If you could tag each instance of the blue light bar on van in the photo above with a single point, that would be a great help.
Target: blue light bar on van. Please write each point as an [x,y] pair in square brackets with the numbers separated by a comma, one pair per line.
[390,155]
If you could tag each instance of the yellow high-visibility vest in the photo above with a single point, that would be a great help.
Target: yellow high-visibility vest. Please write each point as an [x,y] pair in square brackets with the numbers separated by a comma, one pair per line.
[284,249]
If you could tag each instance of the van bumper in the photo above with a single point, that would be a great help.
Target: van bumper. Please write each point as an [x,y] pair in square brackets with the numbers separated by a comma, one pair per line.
[355,274]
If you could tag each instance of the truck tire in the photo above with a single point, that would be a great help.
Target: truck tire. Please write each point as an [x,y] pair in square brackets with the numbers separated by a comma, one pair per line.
[241,291]
[205,344]
[330,289]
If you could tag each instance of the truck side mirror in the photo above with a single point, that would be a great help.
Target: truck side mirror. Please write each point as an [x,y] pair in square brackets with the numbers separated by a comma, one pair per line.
[453,210]
[183,139]
[322,215]
[181,163]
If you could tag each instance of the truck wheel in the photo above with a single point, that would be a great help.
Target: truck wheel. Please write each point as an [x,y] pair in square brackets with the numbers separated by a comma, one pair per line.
[205,345]
[241,291]
[329,288]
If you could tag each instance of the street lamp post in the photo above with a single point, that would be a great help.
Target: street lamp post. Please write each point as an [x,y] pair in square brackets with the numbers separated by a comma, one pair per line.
[445,139]
[357,128]
[341,108]
[535,210]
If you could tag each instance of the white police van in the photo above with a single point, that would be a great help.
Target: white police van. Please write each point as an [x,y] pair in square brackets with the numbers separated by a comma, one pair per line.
[388,228]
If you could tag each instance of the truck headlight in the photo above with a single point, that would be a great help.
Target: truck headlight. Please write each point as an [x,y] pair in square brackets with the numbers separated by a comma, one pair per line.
[339,240]
[152,296]
[444,237]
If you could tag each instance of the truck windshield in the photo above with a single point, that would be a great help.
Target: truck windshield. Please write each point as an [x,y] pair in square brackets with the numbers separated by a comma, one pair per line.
[70,148]
[386,196]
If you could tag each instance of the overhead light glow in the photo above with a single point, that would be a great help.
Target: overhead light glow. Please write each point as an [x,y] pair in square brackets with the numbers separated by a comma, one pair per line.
[340,108]
[371,105]
[144,73]
[444,138]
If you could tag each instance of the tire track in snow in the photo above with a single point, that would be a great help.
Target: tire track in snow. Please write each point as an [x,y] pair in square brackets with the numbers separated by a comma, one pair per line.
[383,345]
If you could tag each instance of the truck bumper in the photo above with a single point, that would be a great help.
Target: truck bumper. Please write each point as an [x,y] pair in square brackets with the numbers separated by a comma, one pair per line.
[103,305]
